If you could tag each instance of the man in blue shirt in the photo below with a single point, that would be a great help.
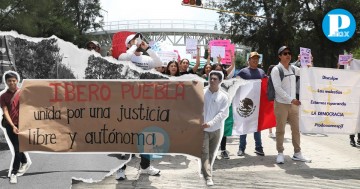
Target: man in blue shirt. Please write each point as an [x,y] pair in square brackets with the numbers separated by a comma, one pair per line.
[252,72]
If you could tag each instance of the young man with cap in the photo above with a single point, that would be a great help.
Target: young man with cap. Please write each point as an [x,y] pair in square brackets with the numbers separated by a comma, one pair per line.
[252,72]
[286,106]
[137,51]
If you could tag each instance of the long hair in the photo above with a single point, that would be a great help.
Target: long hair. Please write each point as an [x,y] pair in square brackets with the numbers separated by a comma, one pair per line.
[168,66]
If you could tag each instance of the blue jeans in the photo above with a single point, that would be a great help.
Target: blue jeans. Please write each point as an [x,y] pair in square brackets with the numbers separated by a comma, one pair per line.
[257,138]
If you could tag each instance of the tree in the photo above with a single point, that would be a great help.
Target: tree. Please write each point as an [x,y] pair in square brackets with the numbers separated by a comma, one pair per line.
[67,19]
[292,23]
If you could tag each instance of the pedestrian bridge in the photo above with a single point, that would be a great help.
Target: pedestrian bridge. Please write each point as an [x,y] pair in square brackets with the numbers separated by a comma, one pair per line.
[175,31]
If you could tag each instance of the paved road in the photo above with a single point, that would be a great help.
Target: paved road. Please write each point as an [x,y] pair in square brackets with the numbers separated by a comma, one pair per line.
[335,165]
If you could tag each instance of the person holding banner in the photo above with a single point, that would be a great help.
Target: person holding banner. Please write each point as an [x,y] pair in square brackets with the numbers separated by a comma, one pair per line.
[252,72]
[10,106]
[137,51]
[184,64]
[215,112]
[286,106]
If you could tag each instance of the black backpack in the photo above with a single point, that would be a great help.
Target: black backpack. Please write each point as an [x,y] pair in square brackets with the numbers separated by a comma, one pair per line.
[270,86]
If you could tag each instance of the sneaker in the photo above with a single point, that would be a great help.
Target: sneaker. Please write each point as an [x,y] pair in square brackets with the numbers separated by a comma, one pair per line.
[272,135]
[259,152]
[24,167]
[280,158]
[151,171]
[120,174]
[225,154]
[13,179]
[241,153]
[209,182]
[299,157]
[352,143]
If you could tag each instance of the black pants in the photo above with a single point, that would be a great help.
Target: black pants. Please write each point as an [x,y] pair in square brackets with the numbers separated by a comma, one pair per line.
[223,143]
[19,156]
[352,137]
[144,163]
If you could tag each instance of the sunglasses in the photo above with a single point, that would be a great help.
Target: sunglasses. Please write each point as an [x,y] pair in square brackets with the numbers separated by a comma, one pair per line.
[286,53]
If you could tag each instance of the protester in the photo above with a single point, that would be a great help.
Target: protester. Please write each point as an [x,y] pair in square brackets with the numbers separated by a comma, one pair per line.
[162,68]
[172,69]
[93,45]
[286,106]
[184,64]
[10,107]
[215,112]
[252,72]
[137,51]
[206,70]
[228,72]
[135,46]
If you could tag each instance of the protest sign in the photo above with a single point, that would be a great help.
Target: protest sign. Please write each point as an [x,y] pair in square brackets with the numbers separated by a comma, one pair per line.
[111,116]
[305,56]
[191,46]
[229,49]
[344,59]
[329,101]
[167,56]
[217,51]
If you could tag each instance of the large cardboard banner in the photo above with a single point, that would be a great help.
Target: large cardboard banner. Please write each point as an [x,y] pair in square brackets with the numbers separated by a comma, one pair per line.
[111,116]
[329,101]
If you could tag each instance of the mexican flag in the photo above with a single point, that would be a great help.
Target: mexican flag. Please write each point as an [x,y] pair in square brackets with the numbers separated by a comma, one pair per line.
[250,112]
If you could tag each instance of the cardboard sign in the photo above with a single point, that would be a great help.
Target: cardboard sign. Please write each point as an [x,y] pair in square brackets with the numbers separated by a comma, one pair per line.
[344,59]
[191,46]
[305,56]
[111,116]
[229,49]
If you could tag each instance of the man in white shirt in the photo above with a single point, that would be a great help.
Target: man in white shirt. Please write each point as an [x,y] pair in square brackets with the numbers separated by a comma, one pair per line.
[286,106]
[136,48]
[216,111]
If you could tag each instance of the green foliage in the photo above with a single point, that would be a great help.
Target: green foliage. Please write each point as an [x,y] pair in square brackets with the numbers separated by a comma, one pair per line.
[67,19]
[292,23]
[39,60]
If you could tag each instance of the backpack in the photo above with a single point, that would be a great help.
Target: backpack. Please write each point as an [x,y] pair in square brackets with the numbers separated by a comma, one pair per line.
[270,86]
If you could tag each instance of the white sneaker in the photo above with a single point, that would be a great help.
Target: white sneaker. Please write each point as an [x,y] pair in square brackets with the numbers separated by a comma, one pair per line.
[120,174]
[241,153]
[280,158]
[272,135]
[13,179]
[150,171]
[299,157]
[209,182]
[24,167]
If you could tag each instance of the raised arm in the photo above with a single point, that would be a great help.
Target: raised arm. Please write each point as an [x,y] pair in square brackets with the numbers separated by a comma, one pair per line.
[196,67]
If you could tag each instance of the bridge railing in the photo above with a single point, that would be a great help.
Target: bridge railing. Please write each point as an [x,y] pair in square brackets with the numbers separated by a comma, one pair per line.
[161,24]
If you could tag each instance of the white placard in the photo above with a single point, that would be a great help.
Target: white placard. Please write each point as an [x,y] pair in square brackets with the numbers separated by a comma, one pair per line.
[191,45]
[167,56]
[305,56]
[217,51]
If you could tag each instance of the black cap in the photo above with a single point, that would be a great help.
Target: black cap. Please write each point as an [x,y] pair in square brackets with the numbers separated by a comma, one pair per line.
[281,49]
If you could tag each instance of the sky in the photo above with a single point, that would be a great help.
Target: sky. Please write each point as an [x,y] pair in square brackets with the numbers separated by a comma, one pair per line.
[117,10]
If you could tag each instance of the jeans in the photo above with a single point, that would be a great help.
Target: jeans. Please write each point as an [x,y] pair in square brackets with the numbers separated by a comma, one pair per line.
[19,156]
[257,138]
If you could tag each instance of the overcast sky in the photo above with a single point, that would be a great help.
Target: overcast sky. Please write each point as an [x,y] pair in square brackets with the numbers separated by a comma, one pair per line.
[118,10]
